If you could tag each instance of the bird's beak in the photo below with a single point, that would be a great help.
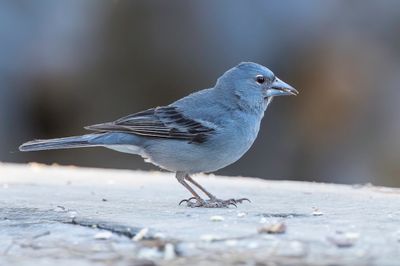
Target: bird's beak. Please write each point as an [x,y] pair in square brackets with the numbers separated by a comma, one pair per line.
[280,88]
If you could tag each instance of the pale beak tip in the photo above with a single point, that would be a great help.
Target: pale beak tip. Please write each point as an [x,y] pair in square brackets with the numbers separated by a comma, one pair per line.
[291,91]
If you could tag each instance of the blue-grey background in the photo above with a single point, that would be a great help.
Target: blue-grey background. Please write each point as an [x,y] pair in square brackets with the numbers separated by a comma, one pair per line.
[66,64]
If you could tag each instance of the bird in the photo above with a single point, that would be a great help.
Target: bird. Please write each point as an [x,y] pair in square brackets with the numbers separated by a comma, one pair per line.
[200,133]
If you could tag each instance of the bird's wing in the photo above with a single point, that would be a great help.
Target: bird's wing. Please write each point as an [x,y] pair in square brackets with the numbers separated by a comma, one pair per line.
[160,122]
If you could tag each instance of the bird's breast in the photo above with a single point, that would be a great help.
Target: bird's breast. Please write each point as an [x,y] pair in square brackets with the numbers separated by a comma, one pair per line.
[237,136]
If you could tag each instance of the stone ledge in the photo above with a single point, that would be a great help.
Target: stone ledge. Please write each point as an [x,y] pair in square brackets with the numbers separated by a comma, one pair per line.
[64,215]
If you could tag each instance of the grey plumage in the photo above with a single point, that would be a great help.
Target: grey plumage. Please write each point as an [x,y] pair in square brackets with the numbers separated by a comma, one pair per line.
[202,132]
[58,143]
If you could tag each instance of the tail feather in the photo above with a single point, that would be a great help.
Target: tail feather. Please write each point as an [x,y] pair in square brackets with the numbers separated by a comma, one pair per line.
[60,143]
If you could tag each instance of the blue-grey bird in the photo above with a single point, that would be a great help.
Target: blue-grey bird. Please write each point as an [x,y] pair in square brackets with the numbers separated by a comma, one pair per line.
[200,133]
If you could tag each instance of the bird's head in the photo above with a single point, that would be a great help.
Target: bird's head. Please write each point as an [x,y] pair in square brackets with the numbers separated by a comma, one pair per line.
[254,85]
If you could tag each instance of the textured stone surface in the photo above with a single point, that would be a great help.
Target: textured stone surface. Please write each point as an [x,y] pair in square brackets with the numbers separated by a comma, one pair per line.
[68,215]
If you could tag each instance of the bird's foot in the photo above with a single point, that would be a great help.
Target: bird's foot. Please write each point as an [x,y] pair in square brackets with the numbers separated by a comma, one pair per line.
[212,203]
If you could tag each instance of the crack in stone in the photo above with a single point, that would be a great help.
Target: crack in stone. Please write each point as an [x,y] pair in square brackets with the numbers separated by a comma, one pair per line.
[284,215]
[122,230]
[25,217]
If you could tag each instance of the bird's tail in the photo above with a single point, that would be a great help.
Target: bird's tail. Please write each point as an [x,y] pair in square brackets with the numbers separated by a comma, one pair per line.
[60,143]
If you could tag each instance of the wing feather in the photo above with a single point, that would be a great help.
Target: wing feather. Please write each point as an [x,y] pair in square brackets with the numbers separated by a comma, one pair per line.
[160,122]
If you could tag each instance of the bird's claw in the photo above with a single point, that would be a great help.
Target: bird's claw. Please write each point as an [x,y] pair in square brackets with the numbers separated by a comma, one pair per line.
[187,200]
[240,200]
[212,203]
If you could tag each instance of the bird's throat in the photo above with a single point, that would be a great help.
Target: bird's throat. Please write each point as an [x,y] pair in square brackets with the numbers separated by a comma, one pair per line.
[267,102]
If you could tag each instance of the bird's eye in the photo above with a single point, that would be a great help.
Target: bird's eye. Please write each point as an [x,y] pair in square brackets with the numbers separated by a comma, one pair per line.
[260,79]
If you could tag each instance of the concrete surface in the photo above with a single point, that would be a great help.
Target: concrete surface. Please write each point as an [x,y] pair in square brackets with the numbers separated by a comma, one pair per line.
[52,215]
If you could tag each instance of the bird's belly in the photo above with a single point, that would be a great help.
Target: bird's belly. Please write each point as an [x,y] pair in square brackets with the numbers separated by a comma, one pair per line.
[218,152]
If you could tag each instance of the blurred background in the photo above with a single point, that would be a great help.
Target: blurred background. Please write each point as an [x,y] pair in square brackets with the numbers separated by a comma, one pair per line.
[67,64]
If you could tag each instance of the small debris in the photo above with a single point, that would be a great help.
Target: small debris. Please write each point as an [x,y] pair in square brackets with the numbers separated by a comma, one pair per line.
[141,234]
[72,214]
[217,218]
[36,166]
[241,214]
[317,212]
[209,238]
[59,208]
[344,240]
[231,242]
[46,233]
[276,228]
[104,235]
[103,199]
[169,252]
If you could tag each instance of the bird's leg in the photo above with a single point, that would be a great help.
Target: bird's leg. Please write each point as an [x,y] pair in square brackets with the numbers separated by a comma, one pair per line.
[191,180]
[199,201]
